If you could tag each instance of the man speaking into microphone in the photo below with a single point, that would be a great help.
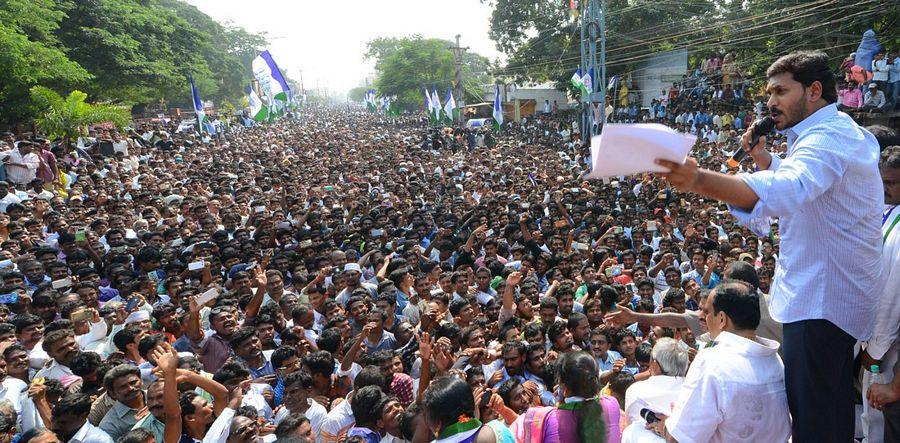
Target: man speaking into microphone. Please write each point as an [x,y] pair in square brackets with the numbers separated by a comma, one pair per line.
[828,197]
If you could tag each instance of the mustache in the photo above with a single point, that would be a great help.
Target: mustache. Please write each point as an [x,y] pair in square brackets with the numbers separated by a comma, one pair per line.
[774,111]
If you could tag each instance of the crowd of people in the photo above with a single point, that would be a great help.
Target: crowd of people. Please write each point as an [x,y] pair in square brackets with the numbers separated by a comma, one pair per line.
[344,276]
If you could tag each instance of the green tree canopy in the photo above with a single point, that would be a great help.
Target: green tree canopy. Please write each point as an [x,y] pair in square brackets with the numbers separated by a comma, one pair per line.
[406,64]
[30,54]
[543,42]
[132,52]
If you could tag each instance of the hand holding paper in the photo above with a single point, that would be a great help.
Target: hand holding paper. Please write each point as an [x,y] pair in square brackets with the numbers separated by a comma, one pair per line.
[626,149]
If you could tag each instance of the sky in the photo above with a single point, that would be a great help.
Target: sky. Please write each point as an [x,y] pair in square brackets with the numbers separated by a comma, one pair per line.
[326,39]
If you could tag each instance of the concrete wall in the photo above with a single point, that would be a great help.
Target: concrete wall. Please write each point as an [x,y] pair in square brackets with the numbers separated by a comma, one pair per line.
[658,73]
[538,93]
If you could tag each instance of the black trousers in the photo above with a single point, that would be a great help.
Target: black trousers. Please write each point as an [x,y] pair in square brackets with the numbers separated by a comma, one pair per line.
[818,377]
[892,422]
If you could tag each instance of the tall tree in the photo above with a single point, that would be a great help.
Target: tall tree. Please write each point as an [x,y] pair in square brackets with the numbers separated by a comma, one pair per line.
[406,64]
[30,55]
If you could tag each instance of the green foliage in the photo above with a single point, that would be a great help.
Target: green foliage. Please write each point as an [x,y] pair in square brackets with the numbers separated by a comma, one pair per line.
[30,55]
[408,63]
[132,52]
[544,43]
[358,93]
[69,117]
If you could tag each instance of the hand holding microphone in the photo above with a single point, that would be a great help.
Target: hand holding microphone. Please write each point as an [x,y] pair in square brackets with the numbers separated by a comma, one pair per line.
[759,129]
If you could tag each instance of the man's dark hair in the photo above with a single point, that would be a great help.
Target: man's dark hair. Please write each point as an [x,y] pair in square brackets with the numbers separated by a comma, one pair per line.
[739,302]
[364,406]
[885,136]
[289,424]
[148,343]
[119,372]
[76,404]
[329,340]
[126,336]
[230,371]
[742,271]
[301,377]
[241,335]
[85,363]
[320,362]
[25,320]
[187,403]
[281,354]
[137,435]
[890,158]
[369,376]
[807,67]
[54,336]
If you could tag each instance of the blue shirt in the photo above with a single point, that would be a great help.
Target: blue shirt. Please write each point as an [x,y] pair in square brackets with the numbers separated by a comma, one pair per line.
[828,196]
[611,357]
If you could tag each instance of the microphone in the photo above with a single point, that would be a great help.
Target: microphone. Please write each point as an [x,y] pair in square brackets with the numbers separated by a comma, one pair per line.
[649,416]
[760,128]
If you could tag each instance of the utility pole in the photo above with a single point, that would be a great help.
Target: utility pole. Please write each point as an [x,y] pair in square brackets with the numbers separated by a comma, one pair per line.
[592,24]
[585,126]
[458,91]
[603,62]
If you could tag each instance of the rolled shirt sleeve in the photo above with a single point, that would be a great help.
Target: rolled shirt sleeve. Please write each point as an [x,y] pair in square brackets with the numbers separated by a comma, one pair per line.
[790,183]
[218,431]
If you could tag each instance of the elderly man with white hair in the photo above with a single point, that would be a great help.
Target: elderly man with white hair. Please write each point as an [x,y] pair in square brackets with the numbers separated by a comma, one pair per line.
[668,365]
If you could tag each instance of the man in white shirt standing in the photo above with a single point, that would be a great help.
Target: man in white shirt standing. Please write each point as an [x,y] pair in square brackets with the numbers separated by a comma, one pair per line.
[882,349]
[734,391]
[21,164]
[829,200]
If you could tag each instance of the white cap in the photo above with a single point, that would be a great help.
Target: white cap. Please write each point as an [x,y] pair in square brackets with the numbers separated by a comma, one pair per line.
[352,267]
[137,317]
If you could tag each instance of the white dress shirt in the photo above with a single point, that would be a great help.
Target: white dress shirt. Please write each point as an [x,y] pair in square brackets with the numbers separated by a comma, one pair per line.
[829,197]
[657,393]
[887,319]
[733,392]
[22,174]
[316,414]
[11,389]
[336,424]
[89,433]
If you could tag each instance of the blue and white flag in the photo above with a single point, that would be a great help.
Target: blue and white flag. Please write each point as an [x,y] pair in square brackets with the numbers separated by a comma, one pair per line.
[450,107]
[271,81]
[588,81]
[498,109]
[198,105]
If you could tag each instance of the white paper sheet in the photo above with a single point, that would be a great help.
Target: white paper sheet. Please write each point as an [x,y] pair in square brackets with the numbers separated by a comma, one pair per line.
[626,149]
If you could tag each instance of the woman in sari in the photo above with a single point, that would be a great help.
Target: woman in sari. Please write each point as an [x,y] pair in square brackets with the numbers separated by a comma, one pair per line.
[450,414]
[581,415]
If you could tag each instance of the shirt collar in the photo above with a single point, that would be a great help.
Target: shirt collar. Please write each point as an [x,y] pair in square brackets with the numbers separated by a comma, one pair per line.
[82,433]
[759,346]
[825,113]
[121,409]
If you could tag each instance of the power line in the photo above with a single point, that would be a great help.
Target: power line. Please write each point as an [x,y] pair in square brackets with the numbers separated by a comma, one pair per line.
[711,39]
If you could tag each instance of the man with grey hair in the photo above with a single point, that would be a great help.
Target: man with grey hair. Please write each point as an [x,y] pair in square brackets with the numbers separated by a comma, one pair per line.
[734,391]
[668,365]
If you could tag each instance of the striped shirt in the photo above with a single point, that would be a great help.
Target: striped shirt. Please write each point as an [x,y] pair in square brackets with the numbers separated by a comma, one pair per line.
[828,196]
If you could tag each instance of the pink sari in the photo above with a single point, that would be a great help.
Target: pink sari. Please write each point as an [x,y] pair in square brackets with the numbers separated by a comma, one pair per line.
[553,425]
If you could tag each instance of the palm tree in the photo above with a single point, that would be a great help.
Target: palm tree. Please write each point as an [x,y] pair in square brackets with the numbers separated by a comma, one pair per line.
[69,117]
